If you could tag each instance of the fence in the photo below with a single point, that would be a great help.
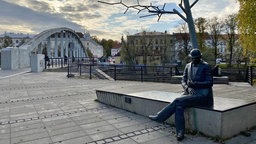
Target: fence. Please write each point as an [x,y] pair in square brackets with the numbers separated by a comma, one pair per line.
[80,66]
[140,73]
[55,63]
[64,62]
[134,73]
[251,74]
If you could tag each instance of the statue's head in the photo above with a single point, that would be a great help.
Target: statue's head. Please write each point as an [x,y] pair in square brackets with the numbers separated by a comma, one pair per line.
[195,55]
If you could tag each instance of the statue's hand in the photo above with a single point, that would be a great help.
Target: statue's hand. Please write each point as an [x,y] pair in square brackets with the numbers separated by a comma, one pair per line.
[191,91]
[191,84]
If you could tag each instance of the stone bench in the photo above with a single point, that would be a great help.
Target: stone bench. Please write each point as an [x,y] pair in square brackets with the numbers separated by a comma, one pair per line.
[216,80]
[225,119]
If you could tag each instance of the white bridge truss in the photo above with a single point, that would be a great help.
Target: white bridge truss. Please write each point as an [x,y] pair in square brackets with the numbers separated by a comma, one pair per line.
[56,42]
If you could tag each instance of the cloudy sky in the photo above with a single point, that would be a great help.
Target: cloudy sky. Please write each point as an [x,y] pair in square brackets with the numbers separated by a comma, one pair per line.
[103,21]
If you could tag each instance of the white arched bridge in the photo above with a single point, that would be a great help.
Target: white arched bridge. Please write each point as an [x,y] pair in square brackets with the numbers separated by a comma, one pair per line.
[54,43]
[65,42]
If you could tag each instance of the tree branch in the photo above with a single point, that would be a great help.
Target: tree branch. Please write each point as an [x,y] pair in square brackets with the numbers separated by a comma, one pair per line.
[179,14]
[152,9]
[194,3]
[183,9]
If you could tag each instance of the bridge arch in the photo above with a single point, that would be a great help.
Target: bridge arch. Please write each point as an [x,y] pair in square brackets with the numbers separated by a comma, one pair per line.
[70,43]
[65,42]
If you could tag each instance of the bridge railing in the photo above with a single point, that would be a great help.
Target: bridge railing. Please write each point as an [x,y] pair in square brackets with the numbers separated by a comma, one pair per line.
[55,63]
[52,63]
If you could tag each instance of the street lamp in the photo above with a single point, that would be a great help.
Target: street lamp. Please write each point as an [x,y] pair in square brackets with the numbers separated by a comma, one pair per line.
[71,48]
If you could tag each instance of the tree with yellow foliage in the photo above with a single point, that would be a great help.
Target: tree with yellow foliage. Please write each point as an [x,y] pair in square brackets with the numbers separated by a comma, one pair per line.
[247,28]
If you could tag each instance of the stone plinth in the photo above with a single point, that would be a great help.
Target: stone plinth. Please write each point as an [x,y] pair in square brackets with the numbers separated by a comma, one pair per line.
[225,119]
[37,62]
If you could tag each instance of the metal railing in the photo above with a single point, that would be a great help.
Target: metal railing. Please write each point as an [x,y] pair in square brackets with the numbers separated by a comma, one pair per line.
[251,74]
[55,63]
[137,73]
[81,66]
[63,62]
[87,66]
[130,73]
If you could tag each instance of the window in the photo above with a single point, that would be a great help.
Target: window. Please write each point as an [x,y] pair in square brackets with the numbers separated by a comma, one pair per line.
[156,41]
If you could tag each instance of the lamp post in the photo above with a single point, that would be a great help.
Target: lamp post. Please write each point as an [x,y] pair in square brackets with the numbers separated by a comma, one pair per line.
[190,23]
[71,48]
[68,68]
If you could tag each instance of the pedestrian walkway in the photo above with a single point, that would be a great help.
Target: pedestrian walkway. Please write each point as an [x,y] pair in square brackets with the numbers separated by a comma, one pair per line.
[10,73]
[49,108]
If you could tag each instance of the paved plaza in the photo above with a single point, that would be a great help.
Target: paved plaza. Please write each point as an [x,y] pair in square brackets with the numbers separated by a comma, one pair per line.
[49,108]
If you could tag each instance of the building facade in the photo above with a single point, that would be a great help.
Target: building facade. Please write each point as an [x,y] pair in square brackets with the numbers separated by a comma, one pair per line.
[182,41]
[16,39]
[152,48]
[115,51]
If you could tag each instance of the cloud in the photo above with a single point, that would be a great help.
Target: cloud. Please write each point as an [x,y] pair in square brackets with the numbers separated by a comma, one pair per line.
[14,15]
[39,6]
[101,20]
[218,8]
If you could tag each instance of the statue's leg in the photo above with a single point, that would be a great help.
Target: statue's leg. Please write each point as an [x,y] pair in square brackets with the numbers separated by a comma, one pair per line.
[185,102]
[195,100]
[165,113]
[179,119]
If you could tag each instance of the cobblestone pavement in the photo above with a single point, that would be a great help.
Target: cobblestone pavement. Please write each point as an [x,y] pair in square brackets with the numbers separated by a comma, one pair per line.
[48,108]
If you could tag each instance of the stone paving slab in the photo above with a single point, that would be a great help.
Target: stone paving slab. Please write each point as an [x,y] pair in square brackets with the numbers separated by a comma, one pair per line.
[48,108]
[10,73]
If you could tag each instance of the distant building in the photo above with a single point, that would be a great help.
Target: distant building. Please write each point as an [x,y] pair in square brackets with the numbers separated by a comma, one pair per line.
[115,51]
[115,54]
[16,38]
[153,48]
[182,39]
